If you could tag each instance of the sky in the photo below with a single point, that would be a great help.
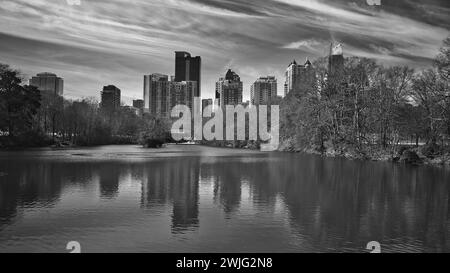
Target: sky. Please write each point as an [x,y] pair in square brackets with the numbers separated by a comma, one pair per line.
[102,42]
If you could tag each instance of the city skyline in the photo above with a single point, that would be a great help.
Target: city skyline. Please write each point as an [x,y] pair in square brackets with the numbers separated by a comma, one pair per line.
[224,135]
[96,44]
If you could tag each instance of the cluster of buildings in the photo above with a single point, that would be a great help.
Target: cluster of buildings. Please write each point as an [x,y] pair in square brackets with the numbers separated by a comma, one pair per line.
[301,79]
[162,92]
[52,85]
[298,75]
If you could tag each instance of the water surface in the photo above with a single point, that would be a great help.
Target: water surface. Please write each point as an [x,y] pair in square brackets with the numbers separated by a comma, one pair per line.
[187,198]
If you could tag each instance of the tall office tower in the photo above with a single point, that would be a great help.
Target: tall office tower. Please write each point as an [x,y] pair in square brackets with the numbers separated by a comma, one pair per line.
[300,79]
[335,75]
[263,91]
[336,61]
[291,77]
[188,68]
[306,81]
[110,98]
[206,103]
[229,89]
[48,82]
[157,94]
[183,93]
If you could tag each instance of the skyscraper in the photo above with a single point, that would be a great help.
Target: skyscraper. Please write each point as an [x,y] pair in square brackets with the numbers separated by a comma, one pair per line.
[336,61]
[188,68]
[183,93]
[157,94]
[48,82]
[300,79]
[291,77]
[263,91]
[110,98]
[229,89]
[335,77]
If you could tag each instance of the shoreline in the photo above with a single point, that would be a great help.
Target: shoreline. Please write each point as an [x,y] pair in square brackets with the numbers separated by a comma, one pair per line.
[377,156]
[438,161]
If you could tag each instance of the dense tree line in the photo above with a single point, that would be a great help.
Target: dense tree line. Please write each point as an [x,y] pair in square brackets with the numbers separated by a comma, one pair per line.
[19,105]
[369,108]
[29,117]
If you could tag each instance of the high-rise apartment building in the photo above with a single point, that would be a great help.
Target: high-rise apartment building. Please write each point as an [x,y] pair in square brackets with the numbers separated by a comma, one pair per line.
[48,82]
[110,98]
[335,77]
[157,94]
[300,79]
[229,89]
[183,93]
[291,77]
[336,61]
[263,91]
[188,68]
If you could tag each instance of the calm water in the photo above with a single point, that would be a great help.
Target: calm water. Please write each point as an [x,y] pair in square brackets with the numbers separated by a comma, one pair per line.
[202,199]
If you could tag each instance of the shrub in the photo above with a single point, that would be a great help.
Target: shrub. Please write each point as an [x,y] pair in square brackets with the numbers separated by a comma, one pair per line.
[153,143]
[31,138]
[430,150]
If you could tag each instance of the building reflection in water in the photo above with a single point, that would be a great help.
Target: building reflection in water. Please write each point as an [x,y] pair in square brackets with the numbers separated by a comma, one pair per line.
[35,184]
[109,175]
[227,186]
[38,186]
[341,203]
[330,204]
[175,181]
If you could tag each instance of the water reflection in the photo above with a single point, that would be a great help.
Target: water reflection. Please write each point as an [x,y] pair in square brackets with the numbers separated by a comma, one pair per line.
[307,203]
[176,182]
[109,175]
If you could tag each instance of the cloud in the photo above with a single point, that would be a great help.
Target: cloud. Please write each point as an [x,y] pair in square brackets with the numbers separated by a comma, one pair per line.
[116,42]
[309,44]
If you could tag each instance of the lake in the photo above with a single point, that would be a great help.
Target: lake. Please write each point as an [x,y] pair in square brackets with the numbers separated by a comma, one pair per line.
[189,198]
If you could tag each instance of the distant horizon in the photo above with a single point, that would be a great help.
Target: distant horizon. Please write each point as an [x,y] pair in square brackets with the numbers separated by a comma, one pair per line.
[97,43]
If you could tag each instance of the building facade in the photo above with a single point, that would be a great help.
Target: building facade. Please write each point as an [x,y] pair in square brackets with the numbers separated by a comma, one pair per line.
[291,77]
[229,89]
[335,76]
[139,104]
[48,82]
[110,98]
[183,93]
[263,91]
[188,69]
[157,94]
[336,62]
[300,79]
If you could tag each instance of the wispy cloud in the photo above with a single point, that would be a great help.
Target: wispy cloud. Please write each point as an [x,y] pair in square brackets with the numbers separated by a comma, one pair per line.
[309,45]
[116,41]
